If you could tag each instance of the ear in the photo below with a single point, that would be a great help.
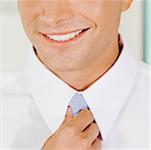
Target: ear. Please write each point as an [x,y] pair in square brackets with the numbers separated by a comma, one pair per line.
[126,4]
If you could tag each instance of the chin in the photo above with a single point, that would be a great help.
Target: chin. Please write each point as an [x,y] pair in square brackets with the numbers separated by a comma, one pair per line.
[67,66]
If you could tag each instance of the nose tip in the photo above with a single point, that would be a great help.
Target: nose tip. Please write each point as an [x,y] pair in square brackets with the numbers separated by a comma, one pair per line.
[55,13]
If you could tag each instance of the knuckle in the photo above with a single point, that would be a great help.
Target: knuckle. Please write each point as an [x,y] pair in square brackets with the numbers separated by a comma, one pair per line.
[84,143]
[95,126]
[83,140]
[83,136]
[88,113]
[70,128]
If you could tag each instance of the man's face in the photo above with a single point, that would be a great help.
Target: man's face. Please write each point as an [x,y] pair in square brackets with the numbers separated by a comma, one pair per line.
[47,23]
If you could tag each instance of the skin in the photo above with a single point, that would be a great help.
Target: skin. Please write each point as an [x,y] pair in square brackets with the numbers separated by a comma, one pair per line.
[80,63]
[75,133]
[74,63]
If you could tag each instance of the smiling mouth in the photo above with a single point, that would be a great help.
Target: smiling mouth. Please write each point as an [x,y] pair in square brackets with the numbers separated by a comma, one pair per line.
[65,38]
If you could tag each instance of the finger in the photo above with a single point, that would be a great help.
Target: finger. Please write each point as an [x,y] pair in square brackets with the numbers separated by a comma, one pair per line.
[91,132]
[83,119]
[69,114]
[96,145]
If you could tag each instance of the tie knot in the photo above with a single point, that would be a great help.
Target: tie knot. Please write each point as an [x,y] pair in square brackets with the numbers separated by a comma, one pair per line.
[78,103]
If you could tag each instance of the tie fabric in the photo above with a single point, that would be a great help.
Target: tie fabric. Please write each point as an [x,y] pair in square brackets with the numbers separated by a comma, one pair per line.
[78,103]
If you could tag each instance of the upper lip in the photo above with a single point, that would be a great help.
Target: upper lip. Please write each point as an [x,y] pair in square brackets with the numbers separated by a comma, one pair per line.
[62,33]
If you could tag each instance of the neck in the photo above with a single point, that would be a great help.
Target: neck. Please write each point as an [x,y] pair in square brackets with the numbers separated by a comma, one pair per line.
[82,79]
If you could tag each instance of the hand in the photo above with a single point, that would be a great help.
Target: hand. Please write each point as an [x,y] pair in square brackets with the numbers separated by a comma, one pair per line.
[75,133]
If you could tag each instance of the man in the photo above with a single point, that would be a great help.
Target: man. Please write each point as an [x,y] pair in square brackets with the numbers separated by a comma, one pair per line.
[76,50]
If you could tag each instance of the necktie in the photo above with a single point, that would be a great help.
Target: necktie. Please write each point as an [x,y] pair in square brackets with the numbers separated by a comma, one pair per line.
[78,103]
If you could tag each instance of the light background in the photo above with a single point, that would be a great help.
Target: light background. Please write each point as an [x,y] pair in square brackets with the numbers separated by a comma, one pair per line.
[147,31]
[15,45]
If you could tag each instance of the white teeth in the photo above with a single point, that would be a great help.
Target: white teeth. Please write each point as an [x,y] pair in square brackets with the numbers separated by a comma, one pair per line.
[64,37]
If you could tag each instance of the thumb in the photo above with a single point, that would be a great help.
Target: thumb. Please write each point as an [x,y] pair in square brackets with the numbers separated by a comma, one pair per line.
[69,114]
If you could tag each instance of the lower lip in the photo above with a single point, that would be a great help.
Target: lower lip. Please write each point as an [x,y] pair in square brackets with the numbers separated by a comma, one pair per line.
[67,41]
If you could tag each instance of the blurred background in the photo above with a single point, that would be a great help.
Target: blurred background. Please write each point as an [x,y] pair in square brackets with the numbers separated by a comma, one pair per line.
[134,28]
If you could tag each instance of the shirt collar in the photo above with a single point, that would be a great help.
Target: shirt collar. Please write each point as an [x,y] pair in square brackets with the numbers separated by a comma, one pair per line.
[105,97]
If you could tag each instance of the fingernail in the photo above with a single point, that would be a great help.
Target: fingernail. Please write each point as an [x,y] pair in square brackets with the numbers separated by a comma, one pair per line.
[69,110]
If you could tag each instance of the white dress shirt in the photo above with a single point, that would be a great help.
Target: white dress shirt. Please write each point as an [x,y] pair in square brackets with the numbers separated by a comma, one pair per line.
[35,101]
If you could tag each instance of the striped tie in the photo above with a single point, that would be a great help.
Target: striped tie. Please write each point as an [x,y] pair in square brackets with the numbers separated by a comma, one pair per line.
[79,103]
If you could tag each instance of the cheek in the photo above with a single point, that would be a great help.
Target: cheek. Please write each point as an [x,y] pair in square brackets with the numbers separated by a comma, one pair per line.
[29,11]
[103,14]
[106,17]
